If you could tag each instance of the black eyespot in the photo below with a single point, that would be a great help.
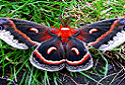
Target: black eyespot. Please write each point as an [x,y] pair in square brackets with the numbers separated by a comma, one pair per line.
[1,27]
[124,28]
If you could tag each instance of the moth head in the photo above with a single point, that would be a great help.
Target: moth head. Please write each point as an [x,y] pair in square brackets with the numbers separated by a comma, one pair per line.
[64,32]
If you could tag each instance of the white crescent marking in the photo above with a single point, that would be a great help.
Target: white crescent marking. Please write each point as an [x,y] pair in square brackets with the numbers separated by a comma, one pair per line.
[93,30]
[51,49]
[76,50]
[34,29]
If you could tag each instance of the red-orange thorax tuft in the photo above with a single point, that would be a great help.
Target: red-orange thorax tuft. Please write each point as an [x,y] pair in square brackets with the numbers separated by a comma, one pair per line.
[64,32]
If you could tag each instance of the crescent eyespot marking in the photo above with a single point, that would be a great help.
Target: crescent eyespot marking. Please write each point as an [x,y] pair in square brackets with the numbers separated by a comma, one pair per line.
[51,49]
[75,50]
[93,30]
[34,30]
[102,36]
[24,35]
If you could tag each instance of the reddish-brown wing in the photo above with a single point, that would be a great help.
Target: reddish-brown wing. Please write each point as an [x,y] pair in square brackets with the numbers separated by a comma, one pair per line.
[103,35]
[23,34]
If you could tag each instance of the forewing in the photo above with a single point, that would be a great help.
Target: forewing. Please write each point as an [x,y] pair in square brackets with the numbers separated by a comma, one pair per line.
[103,35]
[78,57]
[49,55]
[22,34]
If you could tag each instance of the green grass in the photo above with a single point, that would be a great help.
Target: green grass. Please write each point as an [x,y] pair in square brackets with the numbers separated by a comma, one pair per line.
[47,13]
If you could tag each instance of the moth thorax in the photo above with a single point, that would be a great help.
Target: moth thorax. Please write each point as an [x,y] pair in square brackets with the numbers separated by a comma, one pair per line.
[65,29]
